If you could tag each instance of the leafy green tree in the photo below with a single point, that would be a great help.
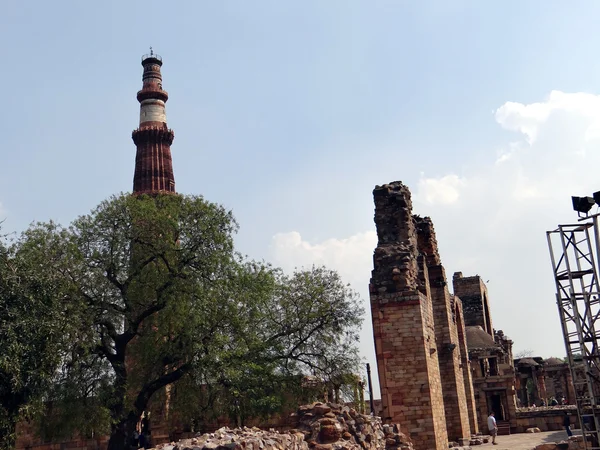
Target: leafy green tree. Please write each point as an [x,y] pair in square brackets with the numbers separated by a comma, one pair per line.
[150,271]
[34,328]
[287,328]
[161,298]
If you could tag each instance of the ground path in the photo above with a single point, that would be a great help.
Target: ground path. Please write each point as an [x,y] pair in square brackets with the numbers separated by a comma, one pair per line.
[527,441]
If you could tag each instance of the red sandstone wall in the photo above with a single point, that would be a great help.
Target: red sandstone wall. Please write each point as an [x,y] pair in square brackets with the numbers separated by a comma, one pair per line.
[446,332]
[403,324]
[466,366]
[473,293]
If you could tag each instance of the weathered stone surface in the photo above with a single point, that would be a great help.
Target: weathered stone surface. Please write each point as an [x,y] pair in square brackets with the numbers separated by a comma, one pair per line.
[342,429]
[403,322]
[448,334]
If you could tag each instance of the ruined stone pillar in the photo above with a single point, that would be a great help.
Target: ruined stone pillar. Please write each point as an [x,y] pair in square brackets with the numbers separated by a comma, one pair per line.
[541,382]
[571,398]
[473,294]
[466,366]
[446,333]
[403,324]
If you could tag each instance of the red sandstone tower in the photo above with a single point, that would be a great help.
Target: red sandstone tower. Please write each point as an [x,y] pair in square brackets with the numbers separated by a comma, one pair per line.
[153,175]
[153,139]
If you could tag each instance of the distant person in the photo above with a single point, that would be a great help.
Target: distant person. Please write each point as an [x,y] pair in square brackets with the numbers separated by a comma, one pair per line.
[563,400]
[144,440]
[492,427]
[567,424]
[553,402]
[543,402]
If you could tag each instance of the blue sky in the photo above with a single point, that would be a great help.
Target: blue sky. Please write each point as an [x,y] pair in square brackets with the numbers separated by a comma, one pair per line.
[291,112]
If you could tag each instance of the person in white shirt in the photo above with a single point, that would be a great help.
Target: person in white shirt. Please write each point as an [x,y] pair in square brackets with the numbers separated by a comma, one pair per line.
[492,427]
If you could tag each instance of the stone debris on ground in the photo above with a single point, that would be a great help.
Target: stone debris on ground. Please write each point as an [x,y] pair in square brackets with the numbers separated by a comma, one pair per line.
[320,426]
[573,443]
[465,444]
[533,430]
[547,408]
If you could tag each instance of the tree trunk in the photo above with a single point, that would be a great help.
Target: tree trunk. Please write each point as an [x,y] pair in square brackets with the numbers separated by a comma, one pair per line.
[122,434]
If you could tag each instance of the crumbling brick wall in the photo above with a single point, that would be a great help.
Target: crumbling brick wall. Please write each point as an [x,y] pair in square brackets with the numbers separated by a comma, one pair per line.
[473,294]
[446,332]
[465,365]
[404,325]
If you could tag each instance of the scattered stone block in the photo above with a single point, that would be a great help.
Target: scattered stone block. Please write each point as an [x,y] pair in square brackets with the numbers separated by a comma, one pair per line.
[317,427]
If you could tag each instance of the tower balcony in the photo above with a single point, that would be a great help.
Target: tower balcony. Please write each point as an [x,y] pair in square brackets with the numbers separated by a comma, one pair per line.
[157,93]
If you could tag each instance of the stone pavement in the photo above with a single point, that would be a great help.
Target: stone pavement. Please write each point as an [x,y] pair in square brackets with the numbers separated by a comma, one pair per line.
[526,441]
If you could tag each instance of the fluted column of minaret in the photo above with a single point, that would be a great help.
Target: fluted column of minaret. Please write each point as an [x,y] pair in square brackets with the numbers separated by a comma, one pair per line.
[153,139]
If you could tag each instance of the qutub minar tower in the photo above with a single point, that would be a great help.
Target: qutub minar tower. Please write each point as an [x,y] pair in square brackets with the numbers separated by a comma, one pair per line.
[153,139]
[153,175]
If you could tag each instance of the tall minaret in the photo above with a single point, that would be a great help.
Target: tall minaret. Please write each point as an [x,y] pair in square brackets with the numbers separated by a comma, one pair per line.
[153,139]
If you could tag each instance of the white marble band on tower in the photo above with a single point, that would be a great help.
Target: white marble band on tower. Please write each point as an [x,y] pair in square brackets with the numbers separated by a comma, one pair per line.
[152,110]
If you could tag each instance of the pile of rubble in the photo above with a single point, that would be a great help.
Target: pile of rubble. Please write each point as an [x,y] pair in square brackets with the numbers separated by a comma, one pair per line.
[573,443]
[338,427]
[318,426]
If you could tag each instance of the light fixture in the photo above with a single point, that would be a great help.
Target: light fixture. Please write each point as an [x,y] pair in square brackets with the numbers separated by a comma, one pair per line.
[584,204]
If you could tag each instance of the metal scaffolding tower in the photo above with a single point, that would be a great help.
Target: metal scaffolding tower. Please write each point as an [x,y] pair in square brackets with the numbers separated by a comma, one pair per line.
[574,257]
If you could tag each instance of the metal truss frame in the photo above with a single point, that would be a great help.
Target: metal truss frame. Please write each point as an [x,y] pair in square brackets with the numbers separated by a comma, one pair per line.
[574,262]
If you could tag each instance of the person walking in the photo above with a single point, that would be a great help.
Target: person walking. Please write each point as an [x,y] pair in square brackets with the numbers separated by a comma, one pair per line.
[144,439]
[491,422]
[567,424]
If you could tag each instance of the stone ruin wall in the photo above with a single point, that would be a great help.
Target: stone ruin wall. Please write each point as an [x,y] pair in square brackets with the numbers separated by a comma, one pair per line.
[446,332]
[417,341]
[498,379]
[473,293]
[465,365]
[403,324]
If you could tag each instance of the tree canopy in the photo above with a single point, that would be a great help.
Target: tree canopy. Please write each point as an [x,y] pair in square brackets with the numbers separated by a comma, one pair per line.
[34,329]
[157,297]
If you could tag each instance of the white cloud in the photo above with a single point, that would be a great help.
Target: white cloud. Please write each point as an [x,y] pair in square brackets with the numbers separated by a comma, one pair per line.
[529,119]
[443,190]
[351,257]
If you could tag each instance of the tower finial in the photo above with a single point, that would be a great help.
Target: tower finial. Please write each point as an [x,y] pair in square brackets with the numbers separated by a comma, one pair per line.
[151,51]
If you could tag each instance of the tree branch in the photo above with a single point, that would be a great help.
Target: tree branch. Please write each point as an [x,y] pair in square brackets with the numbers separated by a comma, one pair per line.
[146,392]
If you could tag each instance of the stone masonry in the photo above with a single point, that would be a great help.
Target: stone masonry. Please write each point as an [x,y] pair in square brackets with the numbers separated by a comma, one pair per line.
[446,333]
[404,324]
[490,355]
[473,294]
[465,364]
